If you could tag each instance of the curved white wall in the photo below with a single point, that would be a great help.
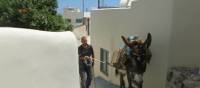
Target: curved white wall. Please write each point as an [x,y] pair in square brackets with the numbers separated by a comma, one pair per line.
[38,59]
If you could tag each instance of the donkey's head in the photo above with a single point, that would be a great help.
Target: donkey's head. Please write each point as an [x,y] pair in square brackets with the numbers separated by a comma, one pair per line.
[137,45]
[139,48]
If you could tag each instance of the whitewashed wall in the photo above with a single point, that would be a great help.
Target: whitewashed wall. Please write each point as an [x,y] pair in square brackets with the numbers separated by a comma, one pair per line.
[38,59]
[186,34]
[174,25]
[155,16]
[73,16]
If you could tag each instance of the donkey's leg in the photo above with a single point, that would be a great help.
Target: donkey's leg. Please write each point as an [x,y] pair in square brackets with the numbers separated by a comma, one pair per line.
[140,85]
[138,80]
[122,83]
[141,82]
[129,77]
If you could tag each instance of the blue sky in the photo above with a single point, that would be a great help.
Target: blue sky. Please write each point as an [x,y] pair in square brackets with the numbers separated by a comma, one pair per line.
[78,4]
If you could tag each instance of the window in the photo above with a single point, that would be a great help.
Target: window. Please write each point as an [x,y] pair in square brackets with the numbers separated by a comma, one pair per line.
[104,57]
[79,20]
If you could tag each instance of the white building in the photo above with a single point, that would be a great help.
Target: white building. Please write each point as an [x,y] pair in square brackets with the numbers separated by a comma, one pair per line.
[74,16]
[77,18]
[126,3]
[174,25]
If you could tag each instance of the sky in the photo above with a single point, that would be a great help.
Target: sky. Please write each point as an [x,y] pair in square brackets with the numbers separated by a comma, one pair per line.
[89,4]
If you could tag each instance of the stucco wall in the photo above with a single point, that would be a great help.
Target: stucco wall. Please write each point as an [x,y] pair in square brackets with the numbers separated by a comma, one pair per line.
[185,39]
[38,59]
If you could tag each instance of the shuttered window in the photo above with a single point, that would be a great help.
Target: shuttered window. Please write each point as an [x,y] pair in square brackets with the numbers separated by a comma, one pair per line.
[104,58]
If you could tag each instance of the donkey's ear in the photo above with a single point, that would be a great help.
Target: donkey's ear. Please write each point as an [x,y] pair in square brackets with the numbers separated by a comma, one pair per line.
[147,42]
[126,41]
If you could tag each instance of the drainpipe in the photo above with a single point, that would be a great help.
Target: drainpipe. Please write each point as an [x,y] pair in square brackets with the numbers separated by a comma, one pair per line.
[83,4]
[98,4]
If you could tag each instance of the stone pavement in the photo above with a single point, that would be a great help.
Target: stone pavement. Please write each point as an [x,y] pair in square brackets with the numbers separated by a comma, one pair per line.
[101,83]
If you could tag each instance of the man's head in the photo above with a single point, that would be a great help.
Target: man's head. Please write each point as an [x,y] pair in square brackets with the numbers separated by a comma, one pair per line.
[84,40]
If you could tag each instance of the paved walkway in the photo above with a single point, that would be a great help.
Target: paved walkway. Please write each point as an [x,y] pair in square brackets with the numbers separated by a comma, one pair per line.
[79,32]
[101,83]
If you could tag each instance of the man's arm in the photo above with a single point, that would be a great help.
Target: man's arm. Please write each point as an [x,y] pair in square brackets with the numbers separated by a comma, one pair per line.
[79,52]
[92,51]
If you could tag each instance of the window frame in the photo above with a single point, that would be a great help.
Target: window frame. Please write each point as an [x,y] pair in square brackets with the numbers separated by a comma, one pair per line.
[79,20]
[104,56]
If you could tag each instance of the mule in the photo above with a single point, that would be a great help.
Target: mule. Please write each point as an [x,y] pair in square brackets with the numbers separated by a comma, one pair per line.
[133,64]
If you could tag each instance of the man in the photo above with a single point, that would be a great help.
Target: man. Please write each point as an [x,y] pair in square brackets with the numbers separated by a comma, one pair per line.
[86,62]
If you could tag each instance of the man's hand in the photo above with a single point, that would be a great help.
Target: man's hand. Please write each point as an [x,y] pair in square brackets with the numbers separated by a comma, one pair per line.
[82,58]
[93,59]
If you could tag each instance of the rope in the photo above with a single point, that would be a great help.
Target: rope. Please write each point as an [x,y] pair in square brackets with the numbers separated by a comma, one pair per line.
[103,62]
[93,70]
